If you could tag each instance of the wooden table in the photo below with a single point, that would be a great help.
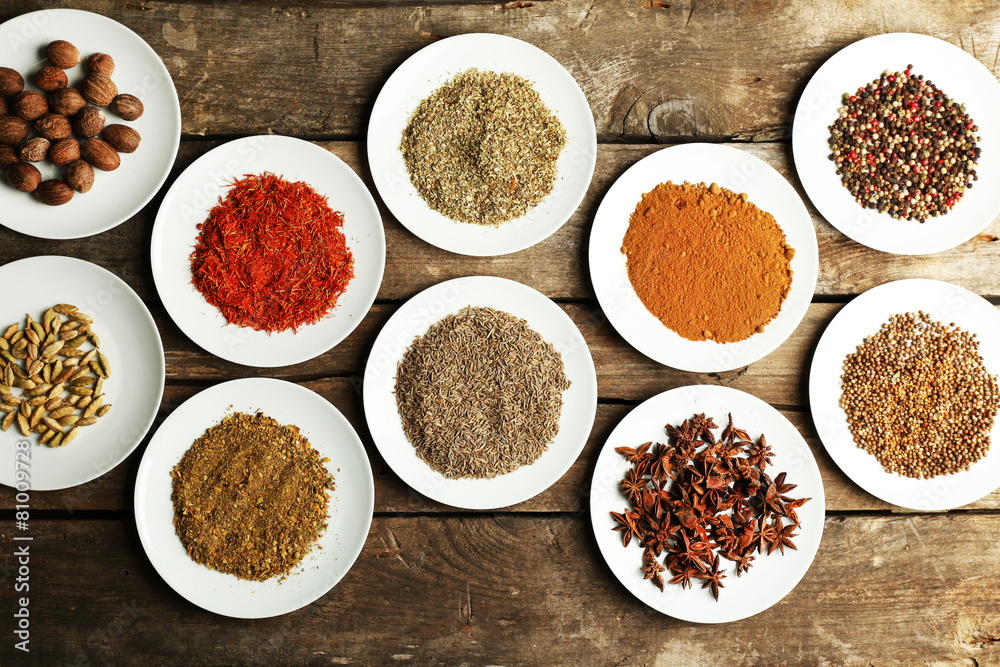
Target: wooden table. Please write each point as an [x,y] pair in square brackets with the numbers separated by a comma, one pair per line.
[525,584]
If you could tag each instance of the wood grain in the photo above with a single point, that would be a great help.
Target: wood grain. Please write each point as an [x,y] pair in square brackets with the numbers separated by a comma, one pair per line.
[557,266]
[570,494]
[712,69]
[526,590]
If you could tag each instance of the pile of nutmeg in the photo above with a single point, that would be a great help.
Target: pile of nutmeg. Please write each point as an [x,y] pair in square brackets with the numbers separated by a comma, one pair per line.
[57,115]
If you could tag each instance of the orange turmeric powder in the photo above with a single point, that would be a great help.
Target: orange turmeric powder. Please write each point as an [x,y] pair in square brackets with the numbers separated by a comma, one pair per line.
[706,262]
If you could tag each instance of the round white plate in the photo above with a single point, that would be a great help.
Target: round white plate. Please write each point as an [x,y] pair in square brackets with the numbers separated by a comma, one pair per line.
[543,316]
[960,76]
[130,340]
[117,195]
[863,317]
[426,71]
[197,191]
[770,578]
[695,163]
[349,514]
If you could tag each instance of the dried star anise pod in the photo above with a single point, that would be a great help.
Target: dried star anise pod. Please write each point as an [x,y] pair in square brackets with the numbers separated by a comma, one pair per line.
[700,497]
[713,578]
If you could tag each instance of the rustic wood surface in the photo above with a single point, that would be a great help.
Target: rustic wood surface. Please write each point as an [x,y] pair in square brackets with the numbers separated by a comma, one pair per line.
[524,584]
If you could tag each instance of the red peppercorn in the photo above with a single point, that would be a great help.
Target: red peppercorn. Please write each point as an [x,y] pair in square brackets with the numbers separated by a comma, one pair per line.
[950,202]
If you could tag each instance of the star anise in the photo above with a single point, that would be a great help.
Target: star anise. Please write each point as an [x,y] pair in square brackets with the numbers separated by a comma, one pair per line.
[713,578]
[652,569]
[743,563]
[767,535]
[781,488]
[760,454]
[783,537]
[633,485]
[636,455]
[699,498]
[771,501]
[793,505]
[628,524]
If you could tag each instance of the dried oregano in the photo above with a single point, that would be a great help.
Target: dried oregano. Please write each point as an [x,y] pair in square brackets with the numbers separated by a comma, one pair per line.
[483,147]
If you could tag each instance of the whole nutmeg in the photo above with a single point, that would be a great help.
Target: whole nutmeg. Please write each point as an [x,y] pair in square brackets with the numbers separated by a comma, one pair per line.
[64,151]
[8,156]
[4,108]
[13,130]
[34,149]
[24,176]
[30,105]
[67,101]
[80,176]
[89,122]
[126,107]
[53,193]
[54,126]
[62,54]
[99,89]
[11,82]
[51,78]
[122,138]
[101,63]
[100,155]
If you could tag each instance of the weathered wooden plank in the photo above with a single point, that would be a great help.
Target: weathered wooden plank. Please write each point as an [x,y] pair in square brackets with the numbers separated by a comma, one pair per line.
[622,372]
[569,494]
[557,266]
[524,590]
[711,69]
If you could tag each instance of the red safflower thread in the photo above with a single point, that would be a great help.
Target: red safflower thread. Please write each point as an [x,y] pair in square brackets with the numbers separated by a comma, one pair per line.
[272,254]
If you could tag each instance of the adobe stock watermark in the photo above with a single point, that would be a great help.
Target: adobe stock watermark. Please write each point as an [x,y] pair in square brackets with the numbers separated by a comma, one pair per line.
[22,548]
[29,26]
[203,198]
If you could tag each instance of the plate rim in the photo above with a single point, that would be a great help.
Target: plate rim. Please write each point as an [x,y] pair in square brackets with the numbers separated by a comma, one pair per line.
[400,73]
[174,109]
[605,453]
[142,481]
[161,226]
[800,154]
[148,419]
[665,356]
[411,478]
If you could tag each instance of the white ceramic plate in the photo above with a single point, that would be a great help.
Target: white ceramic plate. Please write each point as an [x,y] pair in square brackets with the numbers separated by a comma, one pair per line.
[863,317]
[349,514]
[960,76]
[117,195]
[130,340]
[695,163]
[543,316]
[770,578]
[197,191]
[423,73]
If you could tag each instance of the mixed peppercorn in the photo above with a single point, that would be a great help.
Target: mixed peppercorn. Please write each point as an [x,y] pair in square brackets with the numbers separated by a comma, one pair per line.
[903,147]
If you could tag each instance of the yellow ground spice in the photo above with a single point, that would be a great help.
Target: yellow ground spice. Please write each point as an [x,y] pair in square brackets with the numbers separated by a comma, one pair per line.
[250,497]
[707,262]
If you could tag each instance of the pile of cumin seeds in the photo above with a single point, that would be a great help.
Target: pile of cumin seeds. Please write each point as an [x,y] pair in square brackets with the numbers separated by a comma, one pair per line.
[480,394]
[250,497]
[483,148]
